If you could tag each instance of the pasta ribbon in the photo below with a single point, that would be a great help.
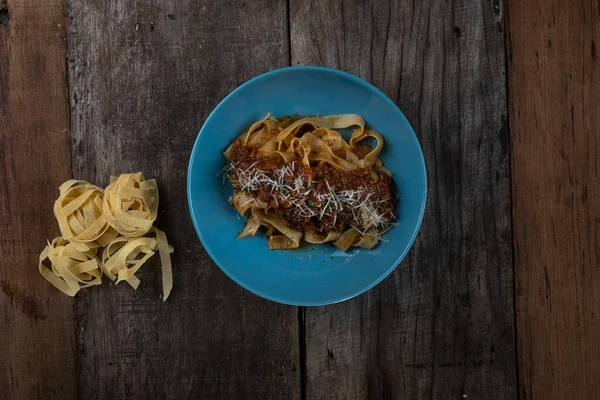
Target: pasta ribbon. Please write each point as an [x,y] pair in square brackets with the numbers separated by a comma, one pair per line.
[289,238]
[123,257]
[320,237]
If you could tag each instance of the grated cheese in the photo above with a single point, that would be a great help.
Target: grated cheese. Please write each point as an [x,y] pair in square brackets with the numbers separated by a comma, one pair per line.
[328,203]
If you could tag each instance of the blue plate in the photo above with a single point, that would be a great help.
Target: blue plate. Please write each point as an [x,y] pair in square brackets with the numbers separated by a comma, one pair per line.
[314,274]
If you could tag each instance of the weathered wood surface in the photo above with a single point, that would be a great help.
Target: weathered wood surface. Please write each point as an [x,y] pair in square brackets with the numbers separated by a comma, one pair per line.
[143,78]
[441,326]
[37,332]
[554,105]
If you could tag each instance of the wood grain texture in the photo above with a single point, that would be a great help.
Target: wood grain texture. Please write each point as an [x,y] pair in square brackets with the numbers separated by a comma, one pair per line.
[554,113]
[37,330]
[441,326]
[144,77]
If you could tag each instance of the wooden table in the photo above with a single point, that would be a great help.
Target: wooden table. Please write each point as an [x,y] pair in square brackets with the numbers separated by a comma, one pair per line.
[500,295]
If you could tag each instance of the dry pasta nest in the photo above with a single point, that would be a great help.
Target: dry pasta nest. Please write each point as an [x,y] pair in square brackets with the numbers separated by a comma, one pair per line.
[70,269]
[119,221]
[130,204]
[78,211]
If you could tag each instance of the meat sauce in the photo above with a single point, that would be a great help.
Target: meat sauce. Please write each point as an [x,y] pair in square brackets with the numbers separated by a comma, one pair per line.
[324,177]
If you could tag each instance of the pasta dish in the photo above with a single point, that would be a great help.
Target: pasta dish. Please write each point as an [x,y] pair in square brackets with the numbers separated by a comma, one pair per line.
[300,179]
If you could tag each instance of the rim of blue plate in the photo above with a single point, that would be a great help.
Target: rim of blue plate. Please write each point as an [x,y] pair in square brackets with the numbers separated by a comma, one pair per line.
[214,256]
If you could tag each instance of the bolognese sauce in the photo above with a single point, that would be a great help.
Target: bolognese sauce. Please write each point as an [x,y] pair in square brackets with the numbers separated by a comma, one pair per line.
[320,198]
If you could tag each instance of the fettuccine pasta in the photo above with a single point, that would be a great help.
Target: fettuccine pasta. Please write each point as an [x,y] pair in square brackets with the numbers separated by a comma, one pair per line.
[78,211]
[70,269]
[301,179]
[119,221]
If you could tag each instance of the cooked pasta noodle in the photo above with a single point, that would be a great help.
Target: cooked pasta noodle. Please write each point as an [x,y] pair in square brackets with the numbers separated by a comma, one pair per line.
[301,179]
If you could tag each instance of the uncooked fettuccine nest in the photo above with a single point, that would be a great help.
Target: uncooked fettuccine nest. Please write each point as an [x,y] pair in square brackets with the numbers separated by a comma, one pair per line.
[117,221]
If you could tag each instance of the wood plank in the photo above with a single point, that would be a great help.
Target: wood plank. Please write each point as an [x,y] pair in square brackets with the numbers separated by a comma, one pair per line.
[144,77]
[37,329]
[441,326]
[554,109]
